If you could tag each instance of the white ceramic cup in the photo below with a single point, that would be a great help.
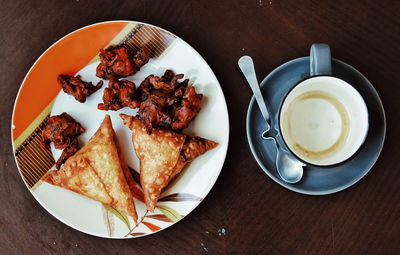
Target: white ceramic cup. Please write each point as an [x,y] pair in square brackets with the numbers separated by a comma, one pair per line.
[323,120]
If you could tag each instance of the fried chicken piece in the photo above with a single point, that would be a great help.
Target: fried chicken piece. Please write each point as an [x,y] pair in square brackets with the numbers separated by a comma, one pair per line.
[153,112]
[167,103]
[117,62]
[63,131]
[168,83]
[118,94]
[67,152]
[77,88]
[141,57]
[190,107]
[144,89]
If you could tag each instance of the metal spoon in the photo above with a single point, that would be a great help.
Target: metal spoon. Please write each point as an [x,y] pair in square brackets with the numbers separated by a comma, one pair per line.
[288,167]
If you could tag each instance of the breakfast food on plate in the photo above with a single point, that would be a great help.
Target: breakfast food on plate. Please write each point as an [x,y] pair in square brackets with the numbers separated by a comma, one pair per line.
[166,107]
[193,147]
[163,154]
[187,107]
[98,171]
[167,103]
[118,94]
[63,131]
[77,88]
[118,61]
[163,102]
[67,153]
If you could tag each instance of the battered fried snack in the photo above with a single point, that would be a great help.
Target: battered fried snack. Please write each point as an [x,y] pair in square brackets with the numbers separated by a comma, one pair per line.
[167,103]
[163,154]
[118,61]
[193,147]
[77,88]
[98,172]
[118,94]
[79,176]
[186,109]
[67,152]
[63,131]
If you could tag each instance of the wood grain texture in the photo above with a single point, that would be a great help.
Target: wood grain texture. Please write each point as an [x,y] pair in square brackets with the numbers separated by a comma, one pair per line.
[259,216]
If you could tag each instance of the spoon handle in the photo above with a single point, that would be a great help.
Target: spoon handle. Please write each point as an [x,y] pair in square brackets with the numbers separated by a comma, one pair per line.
[247,66]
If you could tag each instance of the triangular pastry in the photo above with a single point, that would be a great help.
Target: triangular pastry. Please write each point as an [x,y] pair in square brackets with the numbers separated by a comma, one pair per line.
[158,154]
[80,177]
[193,147]
[163,154]
[98,171]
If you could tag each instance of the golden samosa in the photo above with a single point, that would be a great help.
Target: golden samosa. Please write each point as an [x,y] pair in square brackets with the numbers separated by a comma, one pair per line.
[193,147]
[98,171]
[163,154]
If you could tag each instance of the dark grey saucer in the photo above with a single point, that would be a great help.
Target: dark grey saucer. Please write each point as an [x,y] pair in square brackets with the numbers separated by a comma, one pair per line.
[316,180]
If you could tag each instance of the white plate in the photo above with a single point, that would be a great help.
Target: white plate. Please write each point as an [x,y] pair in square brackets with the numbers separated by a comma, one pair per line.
[196,180]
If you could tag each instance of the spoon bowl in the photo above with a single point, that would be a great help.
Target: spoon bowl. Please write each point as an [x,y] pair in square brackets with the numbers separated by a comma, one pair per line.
[293,167]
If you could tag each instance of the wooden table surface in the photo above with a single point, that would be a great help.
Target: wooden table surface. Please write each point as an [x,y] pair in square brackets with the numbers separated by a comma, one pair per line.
[259,216]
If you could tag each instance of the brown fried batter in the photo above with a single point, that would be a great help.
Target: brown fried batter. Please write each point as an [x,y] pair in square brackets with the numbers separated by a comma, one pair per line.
[141,57]
[117,62]
[119,94]
[63,131]
[77,88]
[154,113]
[167,103]
[189,107]
[163,102]
[68,152]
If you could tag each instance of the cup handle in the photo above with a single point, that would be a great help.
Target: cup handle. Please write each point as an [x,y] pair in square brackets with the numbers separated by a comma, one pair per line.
[320,59]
